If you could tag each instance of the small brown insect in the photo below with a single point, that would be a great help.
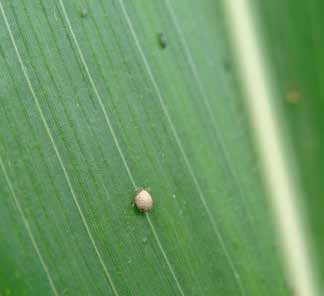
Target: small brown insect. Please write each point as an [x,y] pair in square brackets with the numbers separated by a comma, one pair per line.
[294,95]
[143,201]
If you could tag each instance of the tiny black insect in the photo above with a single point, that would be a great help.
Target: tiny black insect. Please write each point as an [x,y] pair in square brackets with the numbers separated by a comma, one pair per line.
[162,40]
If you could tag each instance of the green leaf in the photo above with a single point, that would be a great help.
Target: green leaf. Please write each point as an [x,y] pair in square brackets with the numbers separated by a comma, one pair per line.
[94,106]
[294,42]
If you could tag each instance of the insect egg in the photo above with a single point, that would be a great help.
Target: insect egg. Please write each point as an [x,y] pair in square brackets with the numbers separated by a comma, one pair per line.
[143,201]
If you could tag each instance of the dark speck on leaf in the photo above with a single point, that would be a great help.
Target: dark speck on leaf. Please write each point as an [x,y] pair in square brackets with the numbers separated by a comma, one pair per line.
[162,40]
[84,12]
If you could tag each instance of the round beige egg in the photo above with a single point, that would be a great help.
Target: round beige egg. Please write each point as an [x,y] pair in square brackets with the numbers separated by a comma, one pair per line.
[144,201]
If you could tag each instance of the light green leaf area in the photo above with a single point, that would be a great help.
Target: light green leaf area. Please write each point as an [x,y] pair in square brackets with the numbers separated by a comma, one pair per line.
[294,39]
[91,107]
